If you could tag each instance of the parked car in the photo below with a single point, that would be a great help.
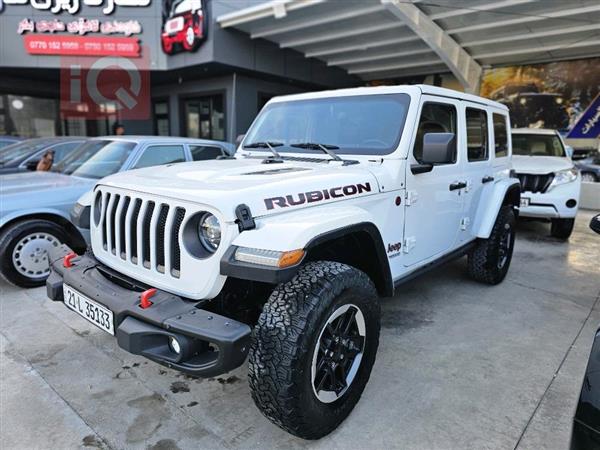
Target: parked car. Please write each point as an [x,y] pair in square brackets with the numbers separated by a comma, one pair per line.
[36,206]
[550,182]
[25,155]
[9,140]
[333,199]
[589,167]
[585,434]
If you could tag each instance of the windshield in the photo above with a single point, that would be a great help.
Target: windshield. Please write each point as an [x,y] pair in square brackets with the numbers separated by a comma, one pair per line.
[21,150]
[357,125]
[96,159]
[537,145]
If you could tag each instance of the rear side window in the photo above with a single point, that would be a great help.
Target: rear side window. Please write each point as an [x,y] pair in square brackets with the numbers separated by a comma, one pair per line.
[204,152]
[477,135]
[157,155]
[435,118]
[500,135]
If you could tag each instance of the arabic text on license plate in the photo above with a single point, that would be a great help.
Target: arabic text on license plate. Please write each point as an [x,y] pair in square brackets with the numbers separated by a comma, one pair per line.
[524,202]
[97,314]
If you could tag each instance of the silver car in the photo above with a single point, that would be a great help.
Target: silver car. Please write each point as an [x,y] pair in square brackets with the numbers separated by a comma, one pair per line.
[35,206]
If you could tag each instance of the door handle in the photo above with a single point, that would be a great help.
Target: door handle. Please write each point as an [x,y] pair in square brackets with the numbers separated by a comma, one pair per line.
[458,185]
[487,179]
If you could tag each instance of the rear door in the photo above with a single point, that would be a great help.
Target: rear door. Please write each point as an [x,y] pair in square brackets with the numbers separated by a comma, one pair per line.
[434,206]
[477,165]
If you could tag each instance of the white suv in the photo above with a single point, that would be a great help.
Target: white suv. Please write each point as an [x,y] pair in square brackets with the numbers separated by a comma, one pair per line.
[280,253]
[550,183]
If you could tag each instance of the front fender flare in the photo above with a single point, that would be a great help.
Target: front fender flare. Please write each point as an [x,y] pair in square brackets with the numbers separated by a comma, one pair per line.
[502,192]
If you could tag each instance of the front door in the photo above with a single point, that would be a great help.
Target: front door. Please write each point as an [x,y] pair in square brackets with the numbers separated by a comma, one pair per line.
[434,205]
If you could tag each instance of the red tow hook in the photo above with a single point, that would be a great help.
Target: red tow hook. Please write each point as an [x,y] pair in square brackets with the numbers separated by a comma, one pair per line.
[67,259]
[145,298]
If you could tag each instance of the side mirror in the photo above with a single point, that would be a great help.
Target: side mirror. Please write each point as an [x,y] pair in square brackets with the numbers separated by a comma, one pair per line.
[438,148]
[239,139]
[595,223]
[569,151]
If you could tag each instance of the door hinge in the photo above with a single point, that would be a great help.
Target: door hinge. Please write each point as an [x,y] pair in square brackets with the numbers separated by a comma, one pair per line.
[409,244]
[468,186]
[464,223]
[411,197]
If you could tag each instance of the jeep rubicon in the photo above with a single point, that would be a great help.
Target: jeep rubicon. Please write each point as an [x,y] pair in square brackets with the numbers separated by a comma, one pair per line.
[280,253]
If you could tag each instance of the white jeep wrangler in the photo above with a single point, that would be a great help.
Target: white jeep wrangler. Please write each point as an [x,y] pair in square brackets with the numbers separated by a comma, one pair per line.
[281,252]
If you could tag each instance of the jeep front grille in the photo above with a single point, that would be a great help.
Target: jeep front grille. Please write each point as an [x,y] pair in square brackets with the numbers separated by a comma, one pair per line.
[141,232]
[535,183]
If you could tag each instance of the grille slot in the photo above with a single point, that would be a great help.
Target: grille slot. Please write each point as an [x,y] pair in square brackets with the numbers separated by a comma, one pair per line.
[535,183]
[160,238]
[141,232]
[145,238]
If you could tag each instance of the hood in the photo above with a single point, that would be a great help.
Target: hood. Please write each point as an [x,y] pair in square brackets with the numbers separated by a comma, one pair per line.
[40,190]
[540,165]
[265,188]
[21,183]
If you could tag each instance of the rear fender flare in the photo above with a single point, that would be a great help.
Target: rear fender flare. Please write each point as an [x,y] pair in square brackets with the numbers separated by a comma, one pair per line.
[503,192]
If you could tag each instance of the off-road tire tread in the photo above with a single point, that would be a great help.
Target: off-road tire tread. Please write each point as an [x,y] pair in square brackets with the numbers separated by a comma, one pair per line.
[278,346]
[482,259]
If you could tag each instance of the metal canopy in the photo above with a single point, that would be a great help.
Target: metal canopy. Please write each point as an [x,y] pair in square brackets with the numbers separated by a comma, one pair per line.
[377,39]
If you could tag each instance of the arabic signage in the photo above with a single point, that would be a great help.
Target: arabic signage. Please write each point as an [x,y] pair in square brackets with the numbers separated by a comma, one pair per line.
[588,125]
[80,26]
[72,6]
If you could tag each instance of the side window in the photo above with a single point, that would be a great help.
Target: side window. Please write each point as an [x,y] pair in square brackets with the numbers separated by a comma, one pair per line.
[204,152]
[500,135]
[160,154]
[477,135]
[61,151]
[435,118]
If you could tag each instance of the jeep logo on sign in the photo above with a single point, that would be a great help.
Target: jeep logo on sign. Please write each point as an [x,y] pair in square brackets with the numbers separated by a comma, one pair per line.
[316,196]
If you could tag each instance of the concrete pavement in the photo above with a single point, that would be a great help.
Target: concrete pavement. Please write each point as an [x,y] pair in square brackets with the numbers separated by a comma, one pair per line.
[460,365]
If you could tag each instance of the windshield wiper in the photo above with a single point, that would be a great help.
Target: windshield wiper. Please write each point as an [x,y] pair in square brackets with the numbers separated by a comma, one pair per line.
[266,144]
[323,147]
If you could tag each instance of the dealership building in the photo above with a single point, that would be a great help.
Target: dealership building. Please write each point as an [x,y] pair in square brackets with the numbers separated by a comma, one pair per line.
[204,68]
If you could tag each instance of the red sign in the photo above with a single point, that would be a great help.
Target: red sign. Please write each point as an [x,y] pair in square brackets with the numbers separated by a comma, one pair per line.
[36,44]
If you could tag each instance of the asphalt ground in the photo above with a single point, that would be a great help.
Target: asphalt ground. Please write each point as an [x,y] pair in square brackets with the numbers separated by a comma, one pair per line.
[460,366]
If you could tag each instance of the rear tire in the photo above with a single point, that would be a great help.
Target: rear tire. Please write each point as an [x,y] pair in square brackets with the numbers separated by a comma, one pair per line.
[562,228]
[489,261]
[303,378]
[23,247]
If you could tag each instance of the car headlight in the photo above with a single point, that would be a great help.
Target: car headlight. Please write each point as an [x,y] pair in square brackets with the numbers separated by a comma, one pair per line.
[563,177]
[209,232]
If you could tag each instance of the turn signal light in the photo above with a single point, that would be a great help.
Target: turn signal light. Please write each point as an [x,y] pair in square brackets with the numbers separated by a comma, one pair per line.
[271,258]
[291,258]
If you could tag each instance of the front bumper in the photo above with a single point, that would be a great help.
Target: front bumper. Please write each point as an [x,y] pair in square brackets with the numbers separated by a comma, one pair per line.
[552,204]
[211,344]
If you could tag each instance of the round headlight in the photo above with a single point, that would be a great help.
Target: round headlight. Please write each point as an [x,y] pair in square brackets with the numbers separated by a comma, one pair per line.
[209,232]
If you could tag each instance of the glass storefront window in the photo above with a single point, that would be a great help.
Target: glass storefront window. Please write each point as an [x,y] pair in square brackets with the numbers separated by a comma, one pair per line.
[161,118]
[27,116]
[204,117]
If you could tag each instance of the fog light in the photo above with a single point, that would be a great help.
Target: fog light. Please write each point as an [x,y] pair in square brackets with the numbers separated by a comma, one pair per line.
[174,345]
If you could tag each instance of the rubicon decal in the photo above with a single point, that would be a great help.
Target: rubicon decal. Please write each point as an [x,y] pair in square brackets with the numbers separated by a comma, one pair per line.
[316,196]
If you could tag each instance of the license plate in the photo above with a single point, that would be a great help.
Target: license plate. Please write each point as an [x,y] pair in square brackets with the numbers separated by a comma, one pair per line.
[88,309]
[524,202]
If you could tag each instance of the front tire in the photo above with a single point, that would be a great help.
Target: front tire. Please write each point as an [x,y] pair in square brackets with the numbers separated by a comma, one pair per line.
[23,251]
[489,261]
[562,228]
[313,348]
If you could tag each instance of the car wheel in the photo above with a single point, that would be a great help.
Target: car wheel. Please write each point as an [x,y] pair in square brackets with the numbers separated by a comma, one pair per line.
[489,261]
[313,348]
[588,176]
[23,251]
[189,43]
[562,228]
